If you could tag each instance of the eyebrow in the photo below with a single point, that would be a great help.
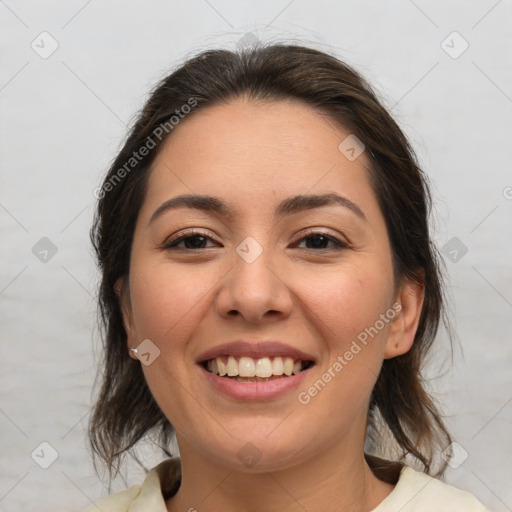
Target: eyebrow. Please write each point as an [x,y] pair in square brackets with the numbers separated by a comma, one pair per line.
[289,206]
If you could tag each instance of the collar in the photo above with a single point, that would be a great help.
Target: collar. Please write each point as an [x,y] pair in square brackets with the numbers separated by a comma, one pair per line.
[162,482]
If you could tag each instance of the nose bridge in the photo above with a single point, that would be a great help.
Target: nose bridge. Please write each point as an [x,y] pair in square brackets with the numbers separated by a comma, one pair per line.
[250,250]
[252,275]
[253,288]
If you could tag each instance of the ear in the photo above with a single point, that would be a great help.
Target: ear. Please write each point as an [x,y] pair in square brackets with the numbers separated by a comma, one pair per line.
[123,294]
[403,327]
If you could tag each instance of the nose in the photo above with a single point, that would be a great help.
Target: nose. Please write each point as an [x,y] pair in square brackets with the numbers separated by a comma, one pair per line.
[255,289]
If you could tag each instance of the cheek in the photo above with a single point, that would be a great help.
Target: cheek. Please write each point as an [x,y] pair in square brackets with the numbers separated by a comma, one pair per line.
[168,304]
[166,301]
[347,301]
[347,306]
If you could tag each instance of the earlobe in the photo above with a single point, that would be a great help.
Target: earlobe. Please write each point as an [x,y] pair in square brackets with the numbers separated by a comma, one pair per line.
[130,338]
[118,286]
[126,313]
[405,324]
[133,353]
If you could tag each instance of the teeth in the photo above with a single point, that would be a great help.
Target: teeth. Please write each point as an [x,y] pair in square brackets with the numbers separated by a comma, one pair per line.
[278,366]
[288,366]
[232,367]
[264,367]
[248,367]
[221,367]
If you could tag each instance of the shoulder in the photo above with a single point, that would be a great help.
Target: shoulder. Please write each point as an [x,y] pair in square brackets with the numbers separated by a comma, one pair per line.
[418,492]
[159,482]
[118,502]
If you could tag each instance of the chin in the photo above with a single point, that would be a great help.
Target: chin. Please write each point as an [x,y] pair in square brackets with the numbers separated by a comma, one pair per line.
[257,453]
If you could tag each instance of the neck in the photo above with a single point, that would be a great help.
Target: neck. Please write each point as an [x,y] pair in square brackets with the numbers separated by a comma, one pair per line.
[335,479]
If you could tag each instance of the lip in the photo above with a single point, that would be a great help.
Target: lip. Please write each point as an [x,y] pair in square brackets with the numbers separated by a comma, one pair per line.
[255,350]
[254,391]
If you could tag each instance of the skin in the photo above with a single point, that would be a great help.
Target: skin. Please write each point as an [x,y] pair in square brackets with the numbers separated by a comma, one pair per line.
[253,155]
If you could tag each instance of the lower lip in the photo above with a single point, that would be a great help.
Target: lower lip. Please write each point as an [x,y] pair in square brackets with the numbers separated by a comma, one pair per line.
[254,390]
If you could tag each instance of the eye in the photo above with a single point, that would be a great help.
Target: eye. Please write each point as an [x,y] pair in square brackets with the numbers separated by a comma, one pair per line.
[191,239]
[315,240]
[318,239]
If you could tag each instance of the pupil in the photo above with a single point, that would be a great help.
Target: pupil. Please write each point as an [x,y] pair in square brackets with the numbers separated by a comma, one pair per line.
[188,241]
[319,238]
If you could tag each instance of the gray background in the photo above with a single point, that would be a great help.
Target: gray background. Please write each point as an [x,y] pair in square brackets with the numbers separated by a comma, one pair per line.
[63,117]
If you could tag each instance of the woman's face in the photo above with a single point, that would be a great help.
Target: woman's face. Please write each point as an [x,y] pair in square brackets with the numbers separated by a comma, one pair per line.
[314,277]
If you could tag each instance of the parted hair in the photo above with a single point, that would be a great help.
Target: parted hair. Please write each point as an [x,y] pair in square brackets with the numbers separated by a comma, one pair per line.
[404,422]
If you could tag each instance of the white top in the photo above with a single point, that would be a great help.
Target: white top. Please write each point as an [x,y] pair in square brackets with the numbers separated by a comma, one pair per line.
[414,492]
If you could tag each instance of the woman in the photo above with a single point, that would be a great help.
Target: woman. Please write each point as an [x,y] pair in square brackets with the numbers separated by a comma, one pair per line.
[269,292]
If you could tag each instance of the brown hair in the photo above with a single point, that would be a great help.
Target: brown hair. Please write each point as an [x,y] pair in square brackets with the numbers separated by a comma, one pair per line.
[400,407]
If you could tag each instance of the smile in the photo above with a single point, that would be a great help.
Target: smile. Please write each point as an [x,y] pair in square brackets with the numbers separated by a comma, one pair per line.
[249,369]
[251,379]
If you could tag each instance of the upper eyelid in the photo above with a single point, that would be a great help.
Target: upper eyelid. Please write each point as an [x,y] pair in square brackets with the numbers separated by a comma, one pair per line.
[189,232]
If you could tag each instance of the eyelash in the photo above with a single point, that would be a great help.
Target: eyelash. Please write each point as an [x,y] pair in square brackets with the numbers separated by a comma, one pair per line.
[171,245]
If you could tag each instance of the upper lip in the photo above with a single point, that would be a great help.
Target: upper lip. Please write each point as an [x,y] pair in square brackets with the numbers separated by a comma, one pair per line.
[255,349]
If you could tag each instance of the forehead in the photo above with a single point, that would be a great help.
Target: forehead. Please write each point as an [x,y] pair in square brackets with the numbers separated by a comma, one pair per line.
[257,153]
